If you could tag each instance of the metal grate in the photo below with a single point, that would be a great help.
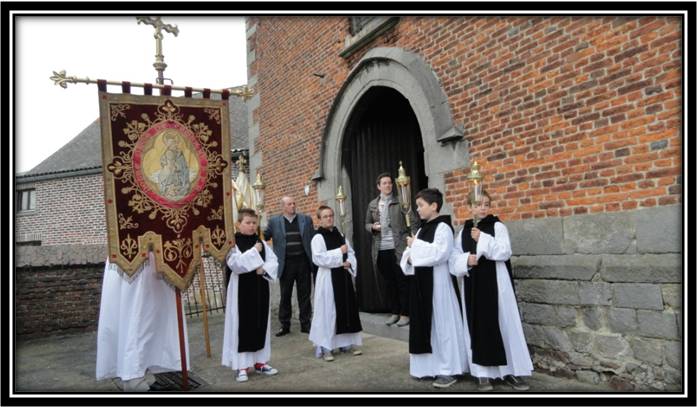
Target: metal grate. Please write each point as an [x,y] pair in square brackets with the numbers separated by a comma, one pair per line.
[173,381]
[216,290]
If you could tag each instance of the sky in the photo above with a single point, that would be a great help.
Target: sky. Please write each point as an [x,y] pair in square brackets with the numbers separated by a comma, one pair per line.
[208,52]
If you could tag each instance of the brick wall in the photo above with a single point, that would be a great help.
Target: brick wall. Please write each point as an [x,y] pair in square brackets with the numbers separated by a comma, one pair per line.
[576,122]
[68,211]
[567,115]
[57,289]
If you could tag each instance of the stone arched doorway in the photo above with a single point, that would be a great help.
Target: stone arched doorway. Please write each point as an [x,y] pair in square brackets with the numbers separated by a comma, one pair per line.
[410,76]
[382,130]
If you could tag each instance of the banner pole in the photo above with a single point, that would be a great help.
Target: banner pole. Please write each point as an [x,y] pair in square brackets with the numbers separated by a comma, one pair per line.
[62,80]
[182,348]
[204,298]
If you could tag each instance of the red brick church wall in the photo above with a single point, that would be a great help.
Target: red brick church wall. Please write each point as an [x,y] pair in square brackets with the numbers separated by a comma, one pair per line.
[567,115]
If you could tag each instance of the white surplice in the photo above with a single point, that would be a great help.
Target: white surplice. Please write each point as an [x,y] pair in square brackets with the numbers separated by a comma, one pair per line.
[448,340]
[323,328]
[138,327]
[239,263]
[496,248]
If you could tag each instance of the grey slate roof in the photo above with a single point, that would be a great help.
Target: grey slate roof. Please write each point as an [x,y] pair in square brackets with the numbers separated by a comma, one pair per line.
[83,154]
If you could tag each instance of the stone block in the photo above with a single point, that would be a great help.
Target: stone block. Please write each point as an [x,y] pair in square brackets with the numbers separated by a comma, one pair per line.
[673,354]
[591,293]
[672,295]
[592,317]
[636,295]
[548,291]
[556,339]
[647,350]
[549,337]
[655,324]
[642,268]
[622,320]
[561,267]
[536,236]
[588,376]
[598,233]
[658,229]
[673,379]
[542,314]
[577,359]
[581,340]
[59,255]
[610,346]
[533,335]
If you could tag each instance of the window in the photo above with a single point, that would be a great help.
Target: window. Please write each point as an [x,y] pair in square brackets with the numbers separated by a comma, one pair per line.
[363,30]
[26,200]
[357,23]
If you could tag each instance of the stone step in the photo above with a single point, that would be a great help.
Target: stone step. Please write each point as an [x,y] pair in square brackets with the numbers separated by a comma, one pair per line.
[374,324]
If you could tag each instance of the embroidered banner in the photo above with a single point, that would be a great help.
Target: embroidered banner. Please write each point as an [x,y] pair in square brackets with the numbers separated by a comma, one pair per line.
[167,186]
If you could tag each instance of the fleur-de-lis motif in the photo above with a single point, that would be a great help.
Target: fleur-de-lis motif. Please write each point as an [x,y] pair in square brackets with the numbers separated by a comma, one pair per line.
[127,223]
[129,246]
[218,236]
[60,79]
[216,214]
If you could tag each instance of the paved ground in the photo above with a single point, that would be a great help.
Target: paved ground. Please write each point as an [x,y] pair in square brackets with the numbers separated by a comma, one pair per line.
[67,364]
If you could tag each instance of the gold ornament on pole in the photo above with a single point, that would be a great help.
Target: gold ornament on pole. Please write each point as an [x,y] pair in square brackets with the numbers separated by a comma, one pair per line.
[404,185]
[259,199]
[156,22]
[475,178]
[341,200]
[60,78]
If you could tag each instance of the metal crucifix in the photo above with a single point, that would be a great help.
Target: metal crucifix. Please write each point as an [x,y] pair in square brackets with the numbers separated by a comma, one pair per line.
[156,22]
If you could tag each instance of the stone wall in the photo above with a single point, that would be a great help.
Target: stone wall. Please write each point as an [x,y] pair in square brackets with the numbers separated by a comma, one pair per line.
[601,296]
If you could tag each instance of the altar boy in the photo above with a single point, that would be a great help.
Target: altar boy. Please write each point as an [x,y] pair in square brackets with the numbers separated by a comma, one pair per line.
[253,265]
[437,339]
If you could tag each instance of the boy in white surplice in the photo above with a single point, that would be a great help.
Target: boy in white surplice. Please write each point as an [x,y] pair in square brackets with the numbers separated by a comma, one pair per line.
[437,341]
[481,260]
[335,320]
[253,264]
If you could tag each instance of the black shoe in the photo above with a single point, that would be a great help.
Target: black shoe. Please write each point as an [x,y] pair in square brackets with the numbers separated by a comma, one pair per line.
[483,384]
[283,331]
[157,386]
[305,329]
[516,382]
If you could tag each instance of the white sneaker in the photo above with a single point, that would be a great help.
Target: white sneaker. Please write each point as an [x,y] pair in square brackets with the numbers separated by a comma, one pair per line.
[391,320]
[328,356]
[266,369]
[242,375]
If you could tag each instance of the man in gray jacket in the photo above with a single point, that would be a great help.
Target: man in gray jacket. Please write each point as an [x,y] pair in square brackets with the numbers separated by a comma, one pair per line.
[291,233]
[385,221]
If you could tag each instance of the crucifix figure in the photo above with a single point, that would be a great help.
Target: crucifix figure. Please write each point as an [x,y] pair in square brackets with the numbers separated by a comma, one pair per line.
[156,22]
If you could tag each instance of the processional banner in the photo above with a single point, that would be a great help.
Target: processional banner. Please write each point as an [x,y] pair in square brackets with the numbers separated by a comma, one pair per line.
[167,186]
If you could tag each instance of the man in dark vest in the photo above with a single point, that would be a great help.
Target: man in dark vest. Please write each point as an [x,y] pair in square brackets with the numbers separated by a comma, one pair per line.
[291,234]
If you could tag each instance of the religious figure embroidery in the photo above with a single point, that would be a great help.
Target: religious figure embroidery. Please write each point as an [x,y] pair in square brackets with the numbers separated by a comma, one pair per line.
[173,178]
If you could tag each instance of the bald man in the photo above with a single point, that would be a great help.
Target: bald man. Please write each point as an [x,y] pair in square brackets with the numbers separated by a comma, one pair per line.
[291,233]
